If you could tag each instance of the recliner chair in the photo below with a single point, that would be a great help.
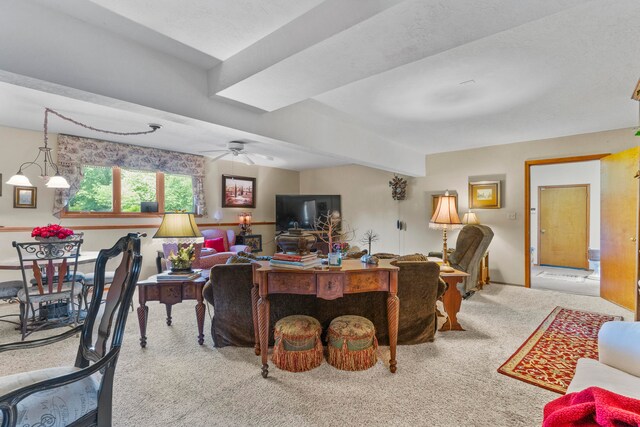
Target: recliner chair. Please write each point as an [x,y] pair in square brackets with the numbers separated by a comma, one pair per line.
[471,245]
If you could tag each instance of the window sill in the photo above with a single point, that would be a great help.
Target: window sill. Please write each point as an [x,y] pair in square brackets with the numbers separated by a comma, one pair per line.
[111,215]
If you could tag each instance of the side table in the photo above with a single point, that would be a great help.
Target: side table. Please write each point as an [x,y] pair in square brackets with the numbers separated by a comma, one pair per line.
[170,293]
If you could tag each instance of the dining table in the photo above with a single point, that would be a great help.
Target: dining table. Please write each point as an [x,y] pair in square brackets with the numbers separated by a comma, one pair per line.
[85,257]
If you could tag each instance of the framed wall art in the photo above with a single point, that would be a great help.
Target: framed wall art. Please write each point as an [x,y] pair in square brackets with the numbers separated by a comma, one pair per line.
[484,195]
[238,192]
[25,197]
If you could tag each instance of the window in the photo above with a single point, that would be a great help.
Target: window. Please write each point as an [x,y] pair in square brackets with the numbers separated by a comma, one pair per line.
[120,192]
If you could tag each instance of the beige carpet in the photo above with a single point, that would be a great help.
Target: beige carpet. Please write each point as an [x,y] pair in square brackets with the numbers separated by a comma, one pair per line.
[450,382]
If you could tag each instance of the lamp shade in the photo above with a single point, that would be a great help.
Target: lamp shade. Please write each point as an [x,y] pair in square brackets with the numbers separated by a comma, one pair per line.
[470,218]
[57,181]
[445,215]
[19,180]
[178,225]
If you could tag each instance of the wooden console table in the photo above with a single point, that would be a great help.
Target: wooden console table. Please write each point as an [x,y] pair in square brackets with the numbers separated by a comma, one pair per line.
[169,293]
[354,277]
[452,299]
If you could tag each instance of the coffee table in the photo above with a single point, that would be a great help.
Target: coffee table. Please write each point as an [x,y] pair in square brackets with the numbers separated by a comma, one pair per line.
[170,293]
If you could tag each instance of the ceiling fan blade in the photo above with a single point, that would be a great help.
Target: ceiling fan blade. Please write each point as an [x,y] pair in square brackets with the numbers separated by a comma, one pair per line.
[219,156]
[246,160]
[264,156]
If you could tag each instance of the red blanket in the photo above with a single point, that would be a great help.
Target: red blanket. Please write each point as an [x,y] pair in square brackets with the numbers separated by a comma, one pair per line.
[593,406]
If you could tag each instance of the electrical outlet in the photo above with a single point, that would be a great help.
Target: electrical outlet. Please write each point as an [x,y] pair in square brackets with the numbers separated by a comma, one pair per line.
[511,215]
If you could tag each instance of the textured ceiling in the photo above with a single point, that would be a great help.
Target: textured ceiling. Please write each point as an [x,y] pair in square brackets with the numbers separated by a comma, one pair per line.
[335,76]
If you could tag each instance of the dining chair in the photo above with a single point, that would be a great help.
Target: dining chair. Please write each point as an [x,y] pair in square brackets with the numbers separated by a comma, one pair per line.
[48,300]
[79,395]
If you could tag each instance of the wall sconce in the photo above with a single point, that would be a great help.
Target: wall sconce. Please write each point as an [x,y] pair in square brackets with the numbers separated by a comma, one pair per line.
[244,219]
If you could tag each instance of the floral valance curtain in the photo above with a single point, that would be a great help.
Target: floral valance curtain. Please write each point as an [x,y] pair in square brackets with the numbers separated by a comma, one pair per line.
[75,152]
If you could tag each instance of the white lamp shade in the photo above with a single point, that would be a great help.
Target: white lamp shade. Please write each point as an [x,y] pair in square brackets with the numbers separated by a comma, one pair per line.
[217,215]
[470,218]
[57,182]
[19,180]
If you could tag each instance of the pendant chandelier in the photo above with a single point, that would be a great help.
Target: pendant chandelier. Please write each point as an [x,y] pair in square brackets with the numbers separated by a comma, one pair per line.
[49,171]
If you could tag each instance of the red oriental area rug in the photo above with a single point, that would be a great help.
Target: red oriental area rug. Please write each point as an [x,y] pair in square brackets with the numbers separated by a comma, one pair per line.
[549,356]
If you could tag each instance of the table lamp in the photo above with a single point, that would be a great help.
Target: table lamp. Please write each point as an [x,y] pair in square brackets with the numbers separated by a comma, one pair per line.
[445,218]
[470,218]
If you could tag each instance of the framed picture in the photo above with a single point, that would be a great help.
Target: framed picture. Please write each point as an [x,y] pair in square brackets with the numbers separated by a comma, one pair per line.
[238,192]
[436,197]
[25,197]
[254,241]
[484,195]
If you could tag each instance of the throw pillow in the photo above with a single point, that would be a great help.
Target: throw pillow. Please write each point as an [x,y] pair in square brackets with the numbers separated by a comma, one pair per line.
[215,244]
[247,255]
[413,257]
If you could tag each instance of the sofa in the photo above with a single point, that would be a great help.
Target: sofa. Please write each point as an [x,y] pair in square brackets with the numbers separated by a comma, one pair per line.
[419,286]
[618,366]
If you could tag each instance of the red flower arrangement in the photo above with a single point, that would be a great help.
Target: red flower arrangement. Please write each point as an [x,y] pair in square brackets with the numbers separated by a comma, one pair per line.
[51,230]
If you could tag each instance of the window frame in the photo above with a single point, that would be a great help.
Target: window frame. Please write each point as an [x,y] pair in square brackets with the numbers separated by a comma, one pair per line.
[117,201]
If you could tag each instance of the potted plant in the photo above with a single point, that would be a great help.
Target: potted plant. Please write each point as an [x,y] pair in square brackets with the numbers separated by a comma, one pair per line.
[182,260]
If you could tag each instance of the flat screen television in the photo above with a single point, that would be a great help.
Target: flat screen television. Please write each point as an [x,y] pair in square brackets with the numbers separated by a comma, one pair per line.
[303,209]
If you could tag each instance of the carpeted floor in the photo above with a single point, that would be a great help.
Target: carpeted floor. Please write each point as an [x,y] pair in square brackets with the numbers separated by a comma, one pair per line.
[450,382]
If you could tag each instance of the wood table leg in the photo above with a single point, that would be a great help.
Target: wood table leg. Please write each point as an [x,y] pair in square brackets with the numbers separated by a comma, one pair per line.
[393,311]
[254,313]
[200,310]
[452,300]
[168,307]
[263,324]
[143,314]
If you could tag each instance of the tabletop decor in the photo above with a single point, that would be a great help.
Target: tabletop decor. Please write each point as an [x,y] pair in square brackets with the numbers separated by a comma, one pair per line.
[182,260]
[549,356]
[51,232]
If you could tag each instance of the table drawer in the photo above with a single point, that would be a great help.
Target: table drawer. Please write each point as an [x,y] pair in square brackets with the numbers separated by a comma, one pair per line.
[367,281]
[330,286]
[170,294]
[292,283]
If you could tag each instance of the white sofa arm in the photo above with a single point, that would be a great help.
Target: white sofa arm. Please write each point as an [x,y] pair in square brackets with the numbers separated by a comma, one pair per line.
[619,346]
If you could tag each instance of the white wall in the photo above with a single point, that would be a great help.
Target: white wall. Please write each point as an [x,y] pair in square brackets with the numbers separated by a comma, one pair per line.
[567,174]
[365,191]
[20,146]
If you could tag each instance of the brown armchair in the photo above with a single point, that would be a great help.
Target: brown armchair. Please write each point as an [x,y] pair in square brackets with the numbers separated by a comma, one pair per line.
[471,245]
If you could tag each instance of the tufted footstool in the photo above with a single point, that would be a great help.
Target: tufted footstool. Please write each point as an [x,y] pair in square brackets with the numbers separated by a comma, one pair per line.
[352,343]
[297,344]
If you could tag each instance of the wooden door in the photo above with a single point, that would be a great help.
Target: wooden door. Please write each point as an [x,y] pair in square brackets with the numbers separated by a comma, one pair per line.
[564,225]
[619,228]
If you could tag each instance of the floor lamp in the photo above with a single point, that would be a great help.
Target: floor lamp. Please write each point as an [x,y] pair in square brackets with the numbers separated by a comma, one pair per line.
[445,218]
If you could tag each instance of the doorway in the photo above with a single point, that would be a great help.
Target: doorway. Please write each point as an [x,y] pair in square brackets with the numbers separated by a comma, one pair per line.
[564,226]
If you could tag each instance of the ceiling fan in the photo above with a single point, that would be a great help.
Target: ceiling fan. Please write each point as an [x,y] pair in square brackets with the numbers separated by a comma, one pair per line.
[237,149]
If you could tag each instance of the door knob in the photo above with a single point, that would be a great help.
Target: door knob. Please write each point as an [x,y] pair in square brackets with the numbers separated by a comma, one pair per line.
[542,231]
[633,239]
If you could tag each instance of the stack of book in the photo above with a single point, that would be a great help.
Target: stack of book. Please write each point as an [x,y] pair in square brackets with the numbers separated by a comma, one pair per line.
[168,276]
[295,262]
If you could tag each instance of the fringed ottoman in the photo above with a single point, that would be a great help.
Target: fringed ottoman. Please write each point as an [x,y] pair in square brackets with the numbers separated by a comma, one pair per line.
[297,346]
[352,343]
